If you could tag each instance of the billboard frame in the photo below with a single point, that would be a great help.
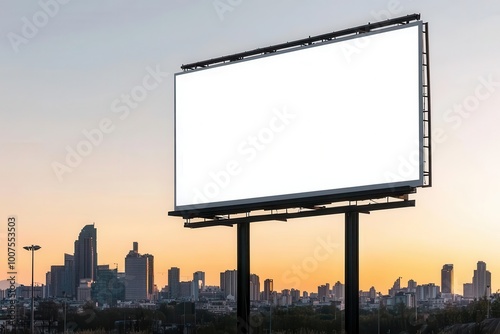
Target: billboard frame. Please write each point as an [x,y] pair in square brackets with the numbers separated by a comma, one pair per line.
[315,198]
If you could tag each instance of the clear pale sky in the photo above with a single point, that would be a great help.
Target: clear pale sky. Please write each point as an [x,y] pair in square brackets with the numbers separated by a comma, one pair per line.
[65,69]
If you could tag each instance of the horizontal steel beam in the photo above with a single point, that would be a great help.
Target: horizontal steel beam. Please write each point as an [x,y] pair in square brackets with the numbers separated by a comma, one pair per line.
[365,208]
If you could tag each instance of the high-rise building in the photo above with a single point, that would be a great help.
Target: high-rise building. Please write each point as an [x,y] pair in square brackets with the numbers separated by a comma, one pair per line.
[481,281]
[186,290]
[69,276]
[229,283]
[151,274]
[174,288]
[338,291]
[57,280]
[107,289]
[47,292]
[447,279]
[324,292]
[412,286]
[85,259]
[254,287]
[138,274]
[396,287]
[427,292]
[468,290]
[268,289]
[295,295]
[199,277]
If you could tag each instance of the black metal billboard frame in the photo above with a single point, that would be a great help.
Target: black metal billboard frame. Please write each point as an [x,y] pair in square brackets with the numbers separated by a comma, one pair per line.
[303,42]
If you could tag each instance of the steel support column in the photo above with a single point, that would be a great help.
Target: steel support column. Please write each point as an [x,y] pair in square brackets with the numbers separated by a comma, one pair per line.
[243,278]
[352,272]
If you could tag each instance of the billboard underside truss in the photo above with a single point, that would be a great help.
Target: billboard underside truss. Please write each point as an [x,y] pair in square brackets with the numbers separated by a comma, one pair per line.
[286,214]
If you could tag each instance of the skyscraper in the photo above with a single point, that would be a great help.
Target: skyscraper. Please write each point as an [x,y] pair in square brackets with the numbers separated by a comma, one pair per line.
[56,281]
[151,275]
[481,281]
[447,279]
[338,291]
[138,275]
[229,283]
[85,260]
[268,289]
[69,276]
[254,287]
[174,288]
[199,279]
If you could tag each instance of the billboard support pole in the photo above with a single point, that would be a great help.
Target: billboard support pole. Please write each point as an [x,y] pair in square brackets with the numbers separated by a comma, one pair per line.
[243,278]
[352,272]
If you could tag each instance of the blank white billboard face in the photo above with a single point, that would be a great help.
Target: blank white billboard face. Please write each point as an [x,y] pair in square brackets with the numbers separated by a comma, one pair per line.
[334,118]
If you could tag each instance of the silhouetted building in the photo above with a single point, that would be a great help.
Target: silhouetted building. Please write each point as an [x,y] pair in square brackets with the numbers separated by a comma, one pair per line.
[396,287]
[295,295]
[447,279]
[229,283]
[254,287]
[268,289]
[151,275]
[186,290]
[85,259]
[174,282]
[412,286]
[338,291]
[199,278]
[107,288]
[48,289]
[324,292]
[427,292]
[84,290]
[481,281]
[57,280]
[468,290]
[138,275]
[69,276]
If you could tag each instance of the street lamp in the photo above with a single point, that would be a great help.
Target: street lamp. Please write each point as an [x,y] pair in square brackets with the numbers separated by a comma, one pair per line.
[32,249]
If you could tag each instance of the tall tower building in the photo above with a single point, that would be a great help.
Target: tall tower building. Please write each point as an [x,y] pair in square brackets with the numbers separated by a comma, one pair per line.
[228,283]
[199,279]
[85,260]
[481,281]
[447,279]
[254,287]
[268,289]
[138,275]
[151,275]
[69,275]
[338,291]
[174,288]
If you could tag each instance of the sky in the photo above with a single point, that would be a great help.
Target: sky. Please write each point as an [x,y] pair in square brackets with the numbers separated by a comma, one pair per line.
[68,69]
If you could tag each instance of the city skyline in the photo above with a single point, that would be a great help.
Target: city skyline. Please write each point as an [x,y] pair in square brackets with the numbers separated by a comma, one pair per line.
[139,270]
[81,145]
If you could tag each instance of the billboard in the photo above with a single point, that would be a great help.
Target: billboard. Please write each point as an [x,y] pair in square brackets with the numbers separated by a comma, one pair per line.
[330,120]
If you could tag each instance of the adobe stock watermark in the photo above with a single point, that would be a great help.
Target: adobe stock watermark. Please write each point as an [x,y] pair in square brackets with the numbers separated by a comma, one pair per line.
[247,151]
[224,6]
[299,272]
[485,88]
[121,106]
[354,47]
[31,26]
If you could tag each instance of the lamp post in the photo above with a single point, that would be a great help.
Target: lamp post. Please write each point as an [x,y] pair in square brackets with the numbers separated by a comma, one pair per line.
[32,249]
